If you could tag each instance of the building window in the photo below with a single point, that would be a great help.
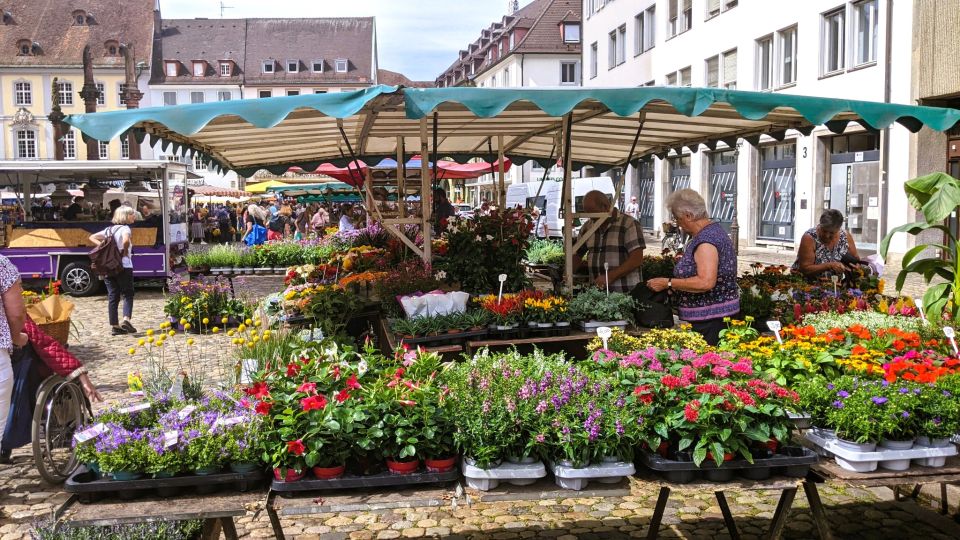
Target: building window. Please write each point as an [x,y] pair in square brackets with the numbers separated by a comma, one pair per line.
[26,144]
[120,99]
[225,69]
[198,164]
[101,94]
[265,93]
[617,47]
[671,79]
[199,69]
[712,76]
[833,42]
[171,69]
[317,66]
[507,81]
[293,66]
[715,7]
[169,98]
[69,145]
[569,73]
[124,147]
[65,89]
[729,73]
[787,55]
[23,94]
[593,60]
[765,63]
[293,92]
[224,95]
[267,66]
[104,150]
[866,21]
[493,82]
[645,25]
[513,42]
[341,65]
[25,47]
[685,79]
[680,17]
[196,97]
[571,33]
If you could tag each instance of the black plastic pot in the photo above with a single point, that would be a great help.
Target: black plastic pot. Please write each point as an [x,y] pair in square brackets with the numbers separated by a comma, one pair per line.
[757,473]
[719,475]
[679,477]
[683,456]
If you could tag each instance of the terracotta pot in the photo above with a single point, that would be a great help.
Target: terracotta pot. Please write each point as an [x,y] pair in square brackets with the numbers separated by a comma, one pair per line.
[329,473]
[440,465]
[403,467]
[662,449]
[292,475]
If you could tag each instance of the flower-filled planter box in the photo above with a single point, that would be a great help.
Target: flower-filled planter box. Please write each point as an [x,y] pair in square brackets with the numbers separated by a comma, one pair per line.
[607,472]
[517,474]
[867,460]
[793,462]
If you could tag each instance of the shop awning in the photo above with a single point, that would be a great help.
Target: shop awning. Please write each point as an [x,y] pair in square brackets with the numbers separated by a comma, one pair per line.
[214,191]
[387,168]
[263,187]
[305,131]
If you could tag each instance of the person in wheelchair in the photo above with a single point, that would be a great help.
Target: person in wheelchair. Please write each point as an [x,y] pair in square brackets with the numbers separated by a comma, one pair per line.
[827,249]
[41,357]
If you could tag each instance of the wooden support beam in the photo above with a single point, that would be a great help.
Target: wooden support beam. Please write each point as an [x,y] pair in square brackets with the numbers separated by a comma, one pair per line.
[501,174]
[426,208]
[566,194]
[595,224]
[401,179]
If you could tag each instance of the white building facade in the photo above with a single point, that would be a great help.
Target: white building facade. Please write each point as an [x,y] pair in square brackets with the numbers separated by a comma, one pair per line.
[828,48]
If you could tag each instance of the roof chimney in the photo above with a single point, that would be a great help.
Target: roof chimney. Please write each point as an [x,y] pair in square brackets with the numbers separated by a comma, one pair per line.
[512,6]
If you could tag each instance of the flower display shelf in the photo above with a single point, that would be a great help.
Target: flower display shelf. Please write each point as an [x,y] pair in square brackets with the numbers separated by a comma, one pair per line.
[577,479]
[550,331]
[682,472]
[91,488]
[591,326]
[351,481]
[518,474]
[442,338]
[864,462]
[800,420]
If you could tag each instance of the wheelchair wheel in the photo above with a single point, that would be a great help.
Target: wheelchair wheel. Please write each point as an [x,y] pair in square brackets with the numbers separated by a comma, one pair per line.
[60,410]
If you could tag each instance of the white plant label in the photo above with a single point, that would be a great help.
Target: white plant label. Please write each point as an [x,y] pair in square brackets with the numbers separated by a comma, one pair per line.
[503,279]
[186,411]
[233,420]
[606,279]
[604,333]
[91,432]
[137,393]
[775,327]
[170,438]
[135,408]
[948,331]
[922,314]
[834,279]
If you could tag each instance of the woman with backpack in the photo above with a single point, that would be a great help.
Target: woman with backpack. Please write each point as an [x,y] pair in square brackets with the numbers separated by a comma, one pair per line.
[255,232]
[120,284]
[279,227]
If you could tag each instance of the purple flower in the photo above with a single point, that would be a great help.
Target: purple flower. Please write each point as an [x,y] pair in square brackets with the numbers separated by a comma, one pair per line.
[830,386]
[619,428]
[838,404]
[541,407]
[904,390]
[843,394]
[905,414]
[540,438]
[878,400]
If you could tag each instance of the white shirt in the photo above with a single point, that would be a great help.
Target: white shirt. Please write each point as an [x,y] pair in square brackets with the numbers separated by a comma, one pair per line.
[118,232]
[345,224]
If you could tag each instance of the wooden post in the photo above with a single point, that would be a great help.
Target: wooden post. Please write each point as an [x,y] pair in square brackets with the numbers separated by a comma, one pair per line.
[567,204]
[426,208]
[401,179]
[371,203]
[502,191]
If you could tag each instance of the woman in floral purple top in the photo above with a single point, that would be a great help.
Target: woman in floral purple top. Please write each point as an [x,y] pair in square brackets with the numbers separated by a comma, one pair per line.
[705,279]
[12,317]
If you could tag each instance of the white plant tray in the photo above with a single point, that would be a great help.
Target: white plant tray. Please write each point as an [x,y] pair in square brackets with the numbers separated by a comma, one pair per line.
[605,473]
[867,461]
[518,474]
[590,326]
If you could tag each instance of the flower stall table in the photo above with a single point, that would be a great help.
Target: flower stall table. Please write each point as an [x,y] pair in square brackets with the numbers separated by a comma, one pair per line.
[576,338]
[787,486]
[215,510]
[387,337]
[915,475]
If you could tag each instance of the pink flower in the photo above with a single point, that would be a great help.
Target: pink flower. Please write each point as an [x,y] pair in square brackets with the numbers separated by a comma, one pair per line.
[743,366]
[721,372]
[409,358]
[691,412]
[307,388]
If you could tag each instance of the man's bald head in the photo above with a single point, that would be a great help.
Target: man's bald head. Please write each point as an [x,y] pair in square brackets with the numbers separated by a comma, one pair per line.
[595,202]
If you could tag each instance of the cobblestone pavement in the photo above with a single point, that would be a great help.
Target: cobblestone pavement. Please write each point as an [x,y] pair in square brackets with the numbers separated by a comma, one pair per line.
[854,513]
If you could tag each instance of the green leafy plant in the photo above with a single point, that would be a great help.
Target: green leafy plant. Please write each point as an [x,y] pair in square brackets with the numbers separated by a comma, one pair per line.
[545,252]
[595,305]
[935,196]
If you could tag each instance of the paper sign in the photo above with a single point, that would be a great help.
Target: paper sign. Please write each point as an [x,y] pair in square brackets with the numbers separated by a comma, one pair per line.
[90,433]
[186,411]
[135,408]
[775,327]
[604,333]
[170,438]
[137,393]
[233,420]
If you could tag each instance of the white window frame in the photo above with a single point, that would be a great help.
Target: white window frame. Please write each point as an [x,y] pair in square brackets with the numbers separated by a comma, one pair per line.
[315,63]
[25,143]
[124,147]
[198,164]
[782,81]
[101,94]
[120,98]
[293,92]
[268,66]
[671,79]
[872,33]
[685,77]
[224,93]
[103,149]
[226,70]
[593,60]
[576,73]
[768,42]
[645,30]
[294,63]
[682,19]
[507,81]
[199,69]
[341,61]
[70,144]
[23,94]
[167,101]
[716,69]
[513,42]
[65,92]
[260,93]
[194,96]
[621,44]
[171,69]
[722,6]
[831,52]
[725,82]
[566,33]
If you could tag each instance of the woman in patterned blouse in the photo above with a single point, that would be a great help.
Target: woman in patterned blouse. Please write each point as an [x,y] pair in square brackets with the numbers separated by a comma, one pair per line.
[823,248]
[12,317]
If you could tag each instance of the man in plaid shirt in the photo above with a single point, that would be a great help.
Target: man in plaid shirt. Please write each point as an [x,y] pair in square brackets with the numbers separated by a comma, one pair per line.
[618,242]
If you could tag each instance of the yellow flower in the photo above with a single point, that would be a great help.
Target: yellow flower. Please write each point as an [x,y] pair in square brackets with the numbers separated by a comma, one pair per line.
[242,328]
[132,351]
[235,341]
[187,326]
[183,321]
[230,333]
[248,322]
[215,330]
[257,324]
[171,333]
[224,320]
[190,341]
[206,320]
[251,345]
[150,332]
[266,334]
[150,339]
[141,342]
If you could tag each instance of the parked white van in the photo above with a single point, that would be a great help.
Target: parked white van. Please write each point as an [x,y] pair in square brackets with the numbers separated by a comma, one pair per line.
[522,195]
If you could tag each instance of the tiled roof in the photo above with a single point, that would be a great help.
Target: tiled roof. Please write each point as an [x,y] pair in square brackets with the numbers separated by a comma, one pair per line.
[211,40]
[56,39]
[392,78]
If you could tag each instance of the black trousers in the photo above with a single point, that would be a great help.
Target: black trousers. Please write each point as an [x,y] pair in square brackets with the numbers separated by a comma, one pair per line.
[710,329]
[120,285]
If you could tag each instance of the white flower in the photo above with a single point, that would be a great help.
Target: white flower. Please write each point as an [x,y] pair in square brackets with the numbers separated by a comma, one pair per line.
[489,237]
[478,238]
[441,275]
[362,367]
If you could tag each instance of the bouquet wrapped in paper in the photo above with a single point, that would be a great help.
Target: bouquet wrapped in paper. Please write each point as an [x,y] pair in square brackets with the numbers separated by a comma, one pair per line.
[52,309]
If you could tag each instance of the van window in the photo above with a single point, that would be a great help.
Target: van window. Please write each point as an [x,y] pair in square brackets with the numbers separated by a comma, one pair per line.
[540,203]
[578,202]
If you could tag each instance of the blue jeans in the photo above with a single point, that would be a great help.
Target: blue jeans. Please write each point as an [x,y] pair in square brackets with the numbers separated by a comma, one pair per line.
[117,286]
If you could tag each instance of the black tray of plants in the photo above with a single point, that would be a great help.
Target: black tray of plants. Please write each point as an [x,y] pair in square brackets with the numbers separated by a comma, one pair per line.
[438,329]
[444,337]
[534,332]
[379,479]
[790,461]
[91,486]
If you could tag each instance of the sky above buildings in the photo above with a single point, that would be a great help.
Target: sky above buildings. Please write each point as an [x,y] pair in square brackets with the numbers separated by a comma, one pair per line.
[419,38]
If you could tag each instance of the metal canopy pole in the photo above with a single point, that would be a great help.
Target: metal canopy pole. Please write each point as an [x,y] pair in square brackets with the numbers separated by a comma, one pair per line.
[502,191]
[425,206]
[566,197]
[401,179]
[626,165]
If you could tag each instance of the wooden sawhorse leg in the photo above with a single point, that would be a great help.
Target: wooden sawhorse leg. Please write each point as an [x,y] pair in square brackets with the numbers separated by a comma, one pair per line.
[274,518]
[816,510]
[213,526]
[727,516]
[658,513]
[780,515]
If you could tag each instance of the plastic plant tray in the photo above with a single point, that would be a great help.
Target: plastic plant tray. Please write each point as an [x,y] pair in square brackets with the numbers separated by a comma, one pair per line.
[518,474]
[89,488]
[439,338]
[687,471]
[605,473]
[800,420]
[867,461]
[590,326]
[350,481]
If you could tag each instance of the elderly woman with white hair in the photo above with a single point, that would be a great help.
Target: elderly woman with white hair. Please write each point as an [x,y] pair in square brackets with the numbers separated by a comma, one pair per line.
[705,280]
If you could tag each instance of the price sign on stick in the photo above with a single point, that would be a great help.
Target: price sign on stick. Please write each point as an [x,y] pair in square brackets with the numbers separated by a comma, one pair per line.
[834,279]
[775,327]
[604,333]
[922,315]
[606,279]
[503,279]
[948,331]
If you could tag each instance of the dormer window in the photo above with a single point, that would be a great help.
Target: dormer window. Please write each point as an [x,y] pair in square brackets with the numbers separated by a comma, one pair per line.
[571,32]
[293,66]
[111,48]
[8,18]
[226,68]
[341,65]
[170,68]
[79,18]
[317,66]
[199,68]
[24,47]
[268,66]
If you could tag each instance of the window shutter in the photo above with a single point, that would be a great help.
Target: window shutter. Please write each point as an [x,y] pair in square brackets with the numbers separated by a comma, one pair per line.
[713,7]
[713,72]
[730,66]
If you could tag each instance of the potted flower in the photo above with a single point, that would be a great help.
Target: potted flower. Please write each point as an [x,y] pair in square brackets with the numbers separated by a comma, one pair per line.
[204,442]
[595,308]
[437,445]
[123,453]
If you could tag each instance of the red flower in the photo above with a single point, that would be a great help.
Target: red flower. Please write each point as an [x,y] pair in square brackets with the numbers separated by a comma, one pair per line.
[313,402]
[296,447]
[292,369]
[671,381]
[643,393]
[692,411]
[307,388]
[342,396]
[336,373]
[259,390]
[712,389]
[352,383]
[263,407]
